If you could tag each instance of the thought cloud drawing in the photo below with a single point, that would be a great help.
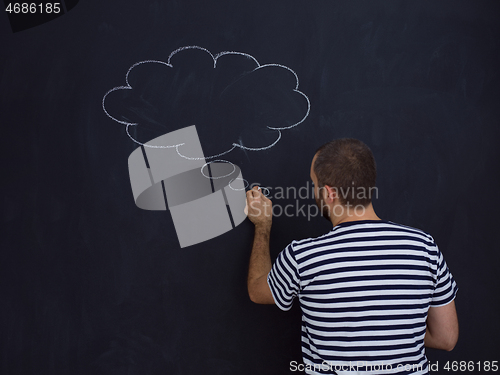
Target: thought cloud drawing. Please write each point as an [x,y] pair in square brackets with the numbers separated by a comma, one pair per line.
[234,101]
[224,102]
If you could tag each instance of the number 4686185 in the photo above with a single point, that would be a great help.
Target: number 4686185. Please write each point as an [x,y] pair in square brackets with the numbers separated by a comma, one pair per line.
[471,366]
[33,8]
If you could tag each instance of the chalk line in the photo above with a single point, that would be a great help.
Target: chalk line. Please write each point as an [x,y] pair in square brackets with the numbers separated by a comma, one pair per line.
[238,178]
[260,148]
[303,119]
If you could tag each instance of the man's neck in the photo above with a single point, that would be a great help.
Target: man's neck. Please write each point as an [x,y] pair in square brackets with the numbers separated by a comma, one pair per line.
[368,213]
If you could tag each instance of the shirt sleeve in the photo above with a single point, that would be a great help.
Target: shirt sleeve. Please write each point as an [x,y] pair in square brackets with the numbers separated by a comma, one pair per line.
[446,287]
[283,279]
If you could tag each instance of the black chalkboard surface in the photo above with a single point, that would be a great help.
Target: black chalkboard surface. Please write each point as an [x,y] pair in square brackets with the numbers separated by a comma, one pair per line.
[93,284]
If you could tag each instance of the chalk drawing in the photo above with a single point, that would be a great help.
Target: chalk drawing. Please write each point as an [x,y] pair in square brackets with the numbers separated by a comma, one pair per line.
[234,145]
[215,59]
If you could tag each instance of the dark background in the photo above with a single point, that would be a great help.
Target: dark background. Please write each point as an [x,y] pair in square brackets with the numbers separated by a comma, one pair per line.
[91,284]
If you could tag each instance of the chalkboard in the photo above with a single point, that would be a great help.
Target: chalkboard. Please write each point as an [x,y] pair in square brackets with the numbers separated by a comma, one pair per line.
[91,283]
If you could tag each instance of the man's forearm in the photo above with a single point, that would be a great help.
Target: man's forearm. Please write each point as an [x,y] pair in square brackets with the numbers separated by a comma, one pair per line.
[259,209]
[441,327]
[438,343]
[429,341]
[260,261]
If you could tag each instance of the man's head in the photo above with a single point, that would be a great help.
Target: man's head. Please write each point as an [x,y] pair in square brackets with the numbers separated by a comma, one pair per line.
[345,170]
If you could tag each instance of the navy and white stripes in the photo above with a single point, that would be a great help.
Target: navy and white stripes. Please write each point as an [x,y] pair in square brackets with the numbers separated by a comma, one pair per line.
[364,290]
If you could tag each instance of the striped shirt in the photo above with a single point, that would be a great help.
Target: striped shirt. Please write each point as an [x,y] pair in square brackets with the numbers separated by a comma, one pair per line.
[364,290]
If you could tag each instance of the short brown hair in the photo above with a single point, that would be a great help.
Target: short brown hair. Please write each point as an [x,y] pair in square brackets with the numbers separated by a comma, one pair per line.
[348,165]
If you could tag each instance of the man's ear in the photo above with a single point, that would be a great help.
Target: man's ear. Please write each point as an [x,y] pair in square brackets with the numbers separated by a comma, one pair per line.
[330,194]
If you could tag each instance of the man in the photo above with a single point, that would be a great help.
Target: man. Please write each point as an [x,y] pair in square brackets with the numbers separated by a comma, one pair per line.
[372,293]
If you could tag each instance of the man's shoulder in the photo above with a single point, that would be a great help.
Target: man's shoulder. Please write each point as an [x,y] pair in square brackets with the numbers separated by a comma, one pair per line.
[373,229]
[413,231]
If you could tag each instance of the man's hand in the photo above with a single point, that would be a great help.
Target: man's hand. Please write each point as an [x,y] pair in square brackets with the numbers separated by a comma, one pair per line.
[260,208]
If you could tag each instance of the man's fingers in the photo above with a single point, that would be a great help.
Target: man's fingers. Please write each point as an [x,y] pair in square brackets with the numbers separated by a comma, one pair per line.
[254,192]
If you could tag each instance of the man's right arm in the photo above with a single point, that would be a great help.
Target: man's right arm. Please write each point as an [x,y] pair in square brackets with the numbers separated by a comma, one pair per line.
[442,327]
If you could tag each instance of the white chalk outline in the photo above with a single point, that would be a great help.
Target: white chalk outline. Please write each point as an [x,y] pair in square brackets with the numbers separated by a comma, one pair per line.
[215,58]
[204,158]
[218,177]
[238,178]
[234,145]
